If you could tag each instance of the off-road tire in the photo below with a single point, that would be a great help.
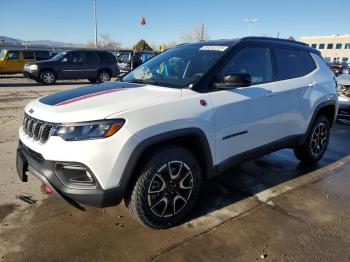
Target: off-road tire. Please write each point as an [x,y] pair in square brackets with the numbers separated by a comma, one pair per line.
[138,198]
[306,152]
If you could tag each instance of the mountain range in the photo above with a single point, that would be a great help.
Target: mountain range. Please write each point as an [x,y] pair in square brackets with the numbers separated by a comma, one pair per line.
[15,41]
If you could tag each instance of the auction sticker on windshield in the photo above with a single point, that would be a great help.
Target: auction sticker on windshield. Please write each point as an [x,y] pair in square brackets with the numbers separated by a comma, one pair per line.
[220,48]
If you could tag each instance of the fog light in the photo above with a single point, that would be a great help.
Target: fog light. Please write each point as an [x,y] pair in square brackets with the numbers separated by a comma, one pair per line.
[74,174]
[77,174]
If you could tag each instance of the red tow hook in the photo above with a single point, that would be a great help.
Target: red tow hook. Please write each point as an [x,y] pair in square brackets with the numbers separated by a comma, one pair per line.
[46,189]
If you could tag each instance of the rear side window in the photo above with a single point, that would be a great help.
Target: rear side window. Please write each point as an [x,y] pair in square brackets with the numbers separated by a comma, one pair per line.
[28,54]
[309,62]
[42,55]
[106,57]
[290,63]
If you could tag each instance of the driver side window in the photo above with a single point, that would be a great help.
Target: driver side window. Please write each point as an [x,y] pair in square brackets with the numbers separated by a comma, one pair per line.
[254,61]
[74,57]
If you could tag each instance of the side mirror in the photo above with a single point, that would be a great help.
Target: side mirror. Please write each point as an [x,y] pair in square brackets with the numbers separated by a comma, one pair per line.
[64,60]
[234,80]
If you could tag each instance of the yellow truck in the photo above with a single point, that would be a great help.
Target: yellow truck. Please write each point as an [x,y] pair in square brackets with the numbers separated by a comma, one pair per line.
[12,61]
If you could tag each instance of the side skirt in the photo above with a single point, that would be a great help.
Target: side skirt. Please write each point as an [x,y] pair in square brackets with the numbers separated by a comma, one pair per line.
[288,142]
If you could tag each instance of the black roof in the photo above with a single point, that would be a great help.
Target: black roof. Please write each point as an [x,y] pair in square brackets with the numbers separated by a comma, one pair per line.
[232,42]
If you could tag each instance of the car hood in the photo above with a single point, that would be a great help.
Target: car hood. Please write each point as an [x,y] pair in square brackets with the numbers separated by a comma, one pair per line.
[94,102]
[42,62]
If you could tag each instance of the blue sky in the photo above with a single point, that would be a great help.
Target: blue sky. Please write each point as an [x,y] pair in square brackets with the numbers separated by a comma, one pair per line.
[72,20]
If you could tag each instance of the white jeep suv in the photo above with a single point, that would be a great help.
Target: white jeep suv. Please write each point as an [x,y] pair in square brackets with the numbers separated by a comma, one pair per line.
[181,118]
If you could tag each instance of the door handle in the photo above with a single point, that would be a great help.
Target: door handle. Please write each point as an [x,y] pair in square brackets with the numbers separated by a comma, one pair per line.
[313,84]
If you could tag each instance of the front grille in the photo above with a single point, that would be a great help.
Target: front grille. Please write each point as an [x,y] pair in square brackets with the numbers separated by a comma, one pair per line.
[37,129]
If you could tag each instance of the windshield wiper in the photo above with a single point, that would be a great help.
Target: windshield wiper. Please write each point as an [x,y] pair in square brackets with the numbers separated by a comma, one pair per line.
[152,82]
[140,81]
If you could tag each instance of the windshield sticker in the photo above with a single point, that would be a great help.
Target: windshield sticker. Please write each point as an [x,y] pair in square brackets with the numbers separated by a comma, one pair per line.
[220,48]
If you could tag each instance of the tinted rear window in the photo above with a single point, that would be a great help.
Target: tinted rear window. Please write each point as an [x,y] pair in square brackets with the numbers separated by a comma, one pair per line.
[290,63]
[309,62]
[106,57]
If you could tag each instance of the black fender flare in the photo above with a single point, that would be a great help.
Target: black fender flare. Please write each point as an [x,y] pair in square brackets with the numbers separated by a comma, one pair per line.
[136,155]
[316,112]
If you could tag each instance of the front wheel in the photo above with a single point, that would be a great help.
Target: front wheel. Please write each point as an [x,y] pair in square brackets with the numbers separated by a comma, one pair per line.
[166,189]
[316,143]
[48,77]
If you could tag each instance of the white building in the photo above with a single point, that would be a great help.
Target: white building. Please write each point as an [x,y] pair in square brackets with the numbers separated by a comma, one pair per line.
[334,48]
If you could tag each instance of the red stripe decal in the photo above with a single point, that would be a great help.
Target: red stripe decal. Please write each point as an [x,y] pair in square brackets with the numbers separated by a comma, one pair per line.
[76,99]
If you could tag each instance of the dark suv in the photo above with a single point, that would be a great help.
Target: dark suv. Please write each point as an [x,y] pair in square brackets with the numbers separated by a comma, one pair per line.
[95,65]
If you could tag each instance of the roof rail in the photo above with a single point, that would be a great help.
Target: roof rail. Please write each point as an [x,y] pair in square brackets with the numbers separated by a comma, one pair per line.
[181,44]
[273,39]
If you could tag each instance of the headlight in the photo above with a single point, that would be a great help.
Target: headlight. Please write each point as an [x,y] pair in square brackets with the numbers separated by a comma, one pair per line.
[33,67]
[89,130]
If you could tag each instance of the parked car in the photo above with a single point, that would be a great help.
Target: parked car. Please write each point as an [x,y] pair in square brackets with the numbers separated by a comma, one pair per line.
[12,61]
[182,117]
[128,61]
[94,65]
[340,68]
[343,82]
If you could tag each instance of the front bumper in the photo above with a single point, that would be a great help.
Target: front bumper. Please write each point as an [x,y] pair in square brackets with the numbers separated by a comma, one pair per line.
[29,160]
[31,74]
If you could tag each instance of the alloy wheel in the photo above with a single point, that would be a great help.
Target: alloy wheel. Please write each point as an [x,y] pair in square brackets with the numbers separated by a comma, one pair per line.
[319,139]
[170,189]
[104,77]
[48,77]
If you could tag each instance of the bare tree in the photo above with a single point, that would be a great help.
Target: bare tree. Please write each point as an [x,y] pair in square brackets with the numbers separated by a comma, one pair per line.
[198,33]
[104,41]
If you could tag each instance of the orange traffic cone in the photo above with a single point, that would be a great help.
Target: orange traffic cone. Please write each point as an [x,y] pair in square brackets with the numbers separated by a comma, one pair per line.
[143,20]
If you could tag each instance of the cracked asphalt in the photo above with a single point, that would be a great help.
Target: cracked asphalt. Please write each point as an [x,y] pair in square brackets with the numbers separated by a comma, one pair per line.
[271,209]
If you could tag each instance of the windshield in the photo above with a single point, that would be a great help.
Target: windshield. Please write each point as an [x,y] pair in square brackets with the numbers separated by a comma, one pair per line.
[2,53]
[178,67]
[59,56]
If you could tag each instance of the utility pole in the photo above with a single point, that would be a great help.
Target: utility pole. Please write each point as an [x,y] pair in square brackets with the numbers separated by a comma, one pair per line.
[202,32]
[250,21]
[95,23]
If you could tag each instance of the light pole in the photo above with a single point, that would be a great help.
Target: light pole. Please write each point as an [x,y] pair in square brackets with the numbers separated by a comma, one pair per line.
[95,23]
[250,21]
